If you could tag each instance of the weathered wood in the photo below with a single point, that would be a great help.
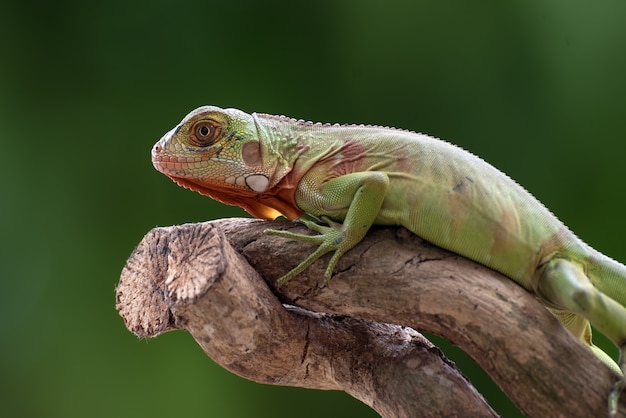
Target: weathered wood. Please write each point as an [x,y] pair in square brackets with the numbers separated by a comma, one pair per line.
[189,277]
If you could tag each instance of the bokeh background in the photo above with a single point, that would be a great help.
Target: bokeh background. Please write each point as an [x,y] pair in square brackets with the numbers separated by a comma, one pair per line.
[538,88]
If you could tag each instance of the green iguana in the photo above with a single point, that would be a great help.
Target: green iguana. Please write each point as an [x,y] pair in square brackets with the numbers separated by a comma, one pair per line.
[339,180]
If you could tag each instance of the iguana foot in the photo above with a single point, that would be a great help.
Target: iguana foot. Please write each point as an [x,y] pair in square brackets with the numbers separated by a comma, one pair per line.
[330,238]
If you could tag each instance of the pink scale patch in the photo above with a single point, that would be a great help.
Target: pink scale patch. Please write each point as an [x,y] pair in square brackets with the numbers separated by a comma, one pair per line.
[349,159]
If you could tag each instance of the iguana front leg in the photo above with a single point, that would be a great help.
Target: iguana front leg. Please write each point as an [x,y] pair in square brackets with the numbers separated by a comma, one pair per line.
[565,285]
[355,198]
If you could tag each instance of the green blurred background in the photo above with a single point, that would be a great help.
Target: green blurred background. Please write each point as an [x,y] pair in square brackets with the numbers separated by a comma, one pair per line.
[538,88]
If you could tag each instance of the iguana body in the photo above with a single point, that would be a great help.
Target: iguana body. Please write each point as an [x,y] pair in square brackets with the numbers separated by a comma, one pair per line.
[349,177]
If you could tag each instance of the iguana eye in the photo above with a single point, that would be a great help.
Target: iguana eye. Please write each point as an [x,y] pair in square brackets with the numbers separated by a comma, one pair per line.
[204,133]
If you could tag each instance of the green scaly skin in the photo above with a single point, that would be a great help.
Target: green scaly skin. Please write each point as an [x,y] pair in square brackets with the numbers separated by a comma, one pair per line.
[350,177]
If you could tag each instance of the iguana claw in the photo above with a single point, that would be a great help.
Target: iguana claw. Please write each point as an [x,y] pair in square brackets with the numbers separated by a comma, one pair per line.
[329,239]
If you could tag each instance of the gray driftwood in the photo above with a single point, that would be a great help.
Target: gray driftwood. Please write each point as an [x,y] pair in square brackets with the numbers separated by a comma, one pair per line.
[214,279]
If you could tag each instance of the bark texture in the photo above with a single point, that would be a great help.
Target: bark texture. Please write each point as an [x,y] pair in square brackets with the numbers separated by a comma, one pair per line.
[356,333]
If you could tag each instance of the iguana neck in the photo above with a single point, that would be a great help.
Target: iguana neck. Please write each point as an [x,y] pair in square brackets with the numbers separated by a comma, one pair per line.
[284,138]
[289,140]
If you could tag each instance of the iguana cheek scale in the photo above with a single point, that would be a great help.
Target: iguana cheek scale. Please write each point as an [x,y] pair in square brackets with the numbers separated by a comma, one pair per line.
[346,178]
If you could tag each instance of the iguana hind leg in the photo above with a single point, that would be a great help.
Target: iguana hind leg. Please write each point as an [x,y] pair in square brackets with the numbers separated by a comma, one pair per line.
[565,286]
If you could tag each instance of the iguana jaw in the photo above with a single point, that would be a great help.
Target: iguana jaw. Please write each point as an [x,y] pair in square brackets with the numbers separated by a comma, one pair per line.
[191,185]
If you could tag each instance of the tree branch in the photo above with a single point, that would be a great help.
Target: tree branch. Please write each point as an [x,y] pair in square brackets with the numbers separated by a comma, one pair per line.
[340,337]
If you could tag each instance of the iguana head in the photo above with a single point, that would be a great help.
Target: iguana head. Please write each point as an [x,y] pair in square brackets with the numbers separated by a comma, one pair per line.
[220,153]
